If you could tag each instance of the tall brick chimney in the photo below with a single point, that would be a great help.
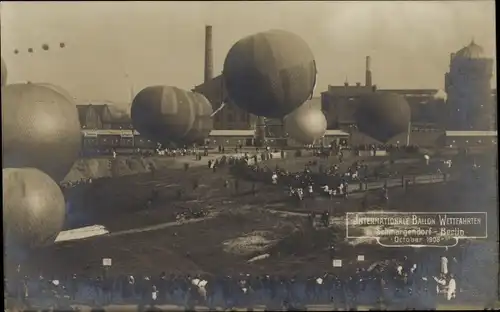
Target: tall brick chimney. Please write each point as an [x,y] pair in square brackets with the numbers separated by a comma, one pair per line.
[209,66]
[368,73]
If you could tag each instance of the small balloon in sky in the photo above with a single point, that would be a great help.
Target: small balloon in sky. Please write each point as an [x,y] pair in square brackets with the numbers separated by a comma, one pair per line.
[16,51]
[62,44]
[45,47]
[30,50]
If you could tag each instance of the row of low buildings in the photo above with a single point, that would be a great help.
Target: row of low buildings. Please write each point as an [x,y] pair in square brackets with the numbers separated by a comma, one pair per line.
[108,139]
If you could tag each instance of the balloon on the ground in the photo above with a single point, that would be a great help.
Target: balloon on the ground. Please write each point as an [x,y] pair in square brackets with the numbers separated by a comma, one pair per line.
[270,74]
[16,51]
[383,115]
[30,50]
[33,208]
[45,47]
[40,129]
[4,72]
[165,114]
[203,122]
[62,45]
[306,125]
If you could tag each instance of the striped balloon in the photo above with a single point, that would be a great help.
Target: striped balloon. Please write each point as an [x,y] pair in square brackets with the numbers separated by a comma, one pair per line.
[270,74]
[203,122]
[167,114]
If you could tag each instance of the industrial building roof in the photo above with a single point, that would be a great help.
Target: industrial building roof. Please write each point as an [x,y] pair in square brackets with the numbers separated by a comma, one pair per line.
[470,133]
[123,132]
[336,133]
[241,133]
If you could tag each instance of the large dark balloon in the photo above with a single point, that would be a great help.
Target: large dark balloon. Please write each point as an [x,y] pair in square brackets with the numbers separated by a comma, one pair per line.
[4,73]
[59,90]
[306,124]
[33,208]
[16,51]
[203,122]
[62,45]
[164,114]
[45,47]
[383,115]
[270,74]
[40,129]
[30,50]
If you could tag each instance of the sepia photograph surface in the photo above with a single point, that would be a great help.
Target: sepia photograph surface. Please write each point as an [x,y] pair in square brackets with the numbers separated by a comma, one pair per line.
[249,155]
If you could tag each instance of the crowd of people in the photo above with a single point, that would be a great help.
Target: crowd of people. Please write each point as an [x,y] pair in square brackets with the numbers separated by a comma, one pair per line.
[414,281]
[75,183]
[324,181]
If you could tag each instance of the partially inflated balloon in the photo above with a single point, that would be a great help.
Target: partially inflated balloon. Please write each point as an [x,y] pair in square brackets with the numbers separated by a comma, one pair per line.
[164,114]
[33,208]
[203,122]
[270,74]
[383,115]
[40,129]
[306,125]
[4,73]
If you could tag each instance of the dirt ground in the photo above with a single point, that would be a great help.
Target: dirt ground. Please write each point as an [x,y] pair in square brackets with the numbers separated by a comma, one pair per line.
[214,245]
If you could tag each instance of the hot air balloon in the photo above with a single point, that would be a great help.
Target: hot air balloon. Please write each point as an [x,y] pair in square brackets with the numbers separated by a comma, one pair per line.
[383,115]
[203,122]
[62,45]
[270,74]
[33,208]
[4,72]
[45,47]
[163,113]
[59,90]
[305,124]
[40,129]
[16,51]
[30,50]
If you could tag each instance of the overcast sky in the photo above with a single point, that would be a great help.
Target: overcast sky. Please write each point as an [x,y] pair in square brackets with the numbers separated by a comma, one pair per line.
[112,47]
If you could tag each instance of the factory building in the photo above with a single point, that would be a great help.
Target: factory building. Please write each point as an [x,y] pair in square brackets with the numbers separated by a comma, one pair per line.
[105,140]
[230,117]
[467,84]
[231,137]
[338,137]
[339,104]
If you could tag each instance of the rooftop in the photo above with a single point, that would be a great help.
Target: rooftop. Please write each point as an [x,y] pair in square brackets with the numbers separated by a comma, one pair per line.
[247,133]
[471,133]
[472,51]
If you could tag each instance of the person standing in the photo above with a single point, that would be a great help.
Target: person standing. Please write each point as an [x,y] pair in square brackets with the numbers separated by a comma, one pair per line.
[444,265]
[452,288]
[154,296]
